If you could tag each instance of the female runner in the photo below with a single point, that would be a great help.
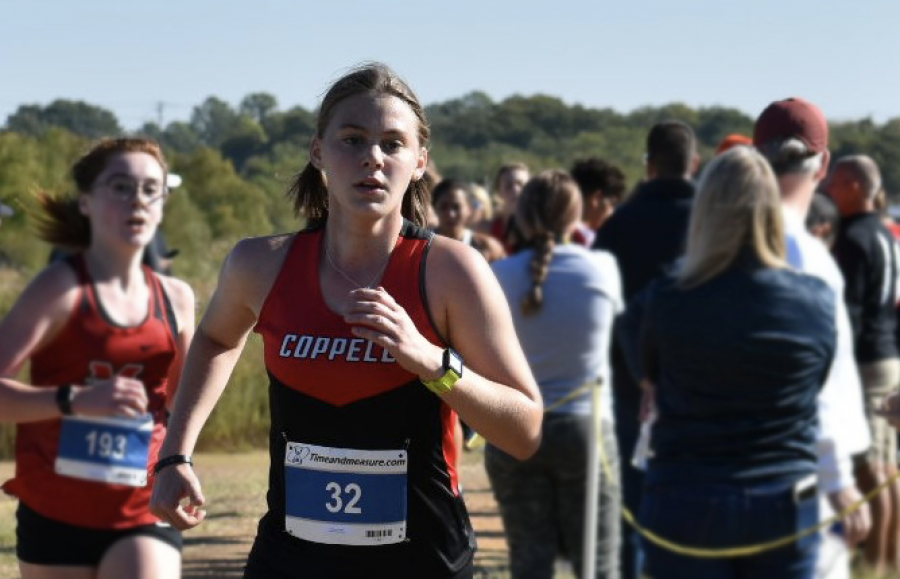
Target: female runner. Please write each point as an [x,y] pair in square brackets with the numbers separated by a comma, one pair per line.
[105,338]
[376,333]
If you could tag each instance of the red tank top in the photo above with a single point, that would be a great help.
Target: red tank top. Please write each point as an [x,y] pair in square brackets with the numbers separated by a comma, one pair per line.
[92,347]
[504,230]
[331,389]
[310,348]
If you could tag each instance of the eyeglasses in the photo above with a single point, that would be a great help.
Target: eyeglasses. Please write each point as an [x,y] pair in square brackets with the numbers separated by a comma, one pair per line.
[127,190]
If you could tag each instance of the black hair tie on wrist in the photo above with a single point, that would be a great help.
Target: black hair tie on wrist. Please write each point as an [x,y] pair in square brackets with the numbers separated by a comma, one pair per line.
[172,459]
[64,396]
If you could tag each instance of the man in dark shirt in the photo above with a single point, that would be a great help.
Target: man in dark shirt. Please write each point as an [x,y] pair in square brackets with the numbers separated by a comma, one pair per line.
[868,257]
[646,234]
[602,186]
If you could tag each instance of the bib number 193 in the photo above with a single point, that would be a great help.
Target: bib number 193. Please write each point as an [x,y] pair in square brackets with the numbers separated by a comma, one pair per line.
[106,450]
[106,444]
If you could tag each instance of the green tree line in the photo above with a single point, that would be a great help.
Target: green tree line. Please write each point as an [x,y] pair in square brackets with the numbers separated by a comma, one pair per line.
[237,161]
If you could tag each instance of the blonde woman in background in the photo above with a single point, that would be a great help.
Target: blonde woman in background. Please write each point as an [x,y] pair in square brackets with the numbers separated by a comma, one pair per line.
[734,351]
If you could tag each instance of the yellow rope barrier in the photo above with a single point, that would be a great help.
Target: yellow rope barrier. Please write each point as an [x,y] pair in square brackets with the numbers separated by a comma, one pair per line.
[476,441]
[725,552]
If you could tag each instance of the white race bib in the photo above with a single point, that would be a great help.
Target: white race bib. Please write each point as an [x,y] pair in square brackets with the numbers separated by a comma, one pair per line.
[109,450]
[344,496]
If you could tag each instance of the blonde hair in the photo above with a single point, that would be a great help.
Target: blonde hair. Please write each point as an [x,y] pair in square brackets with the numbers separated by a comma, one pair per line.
[737,207]
[548,207]
[480,199]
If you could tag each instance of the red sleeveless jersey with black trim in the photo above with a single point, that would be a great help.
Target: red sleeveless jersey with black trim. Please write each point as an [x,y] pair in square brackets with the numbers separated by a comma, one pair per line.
[330,388]
[91,347]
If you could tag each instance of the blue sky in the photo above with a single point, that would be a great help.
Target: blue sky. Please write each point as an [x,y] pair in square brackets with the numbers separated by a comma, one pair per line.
[129,56]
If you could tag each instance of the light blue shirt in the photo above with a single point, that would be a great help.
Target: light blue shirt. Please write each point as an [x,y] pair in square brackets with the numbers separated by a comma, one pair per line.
[567,341]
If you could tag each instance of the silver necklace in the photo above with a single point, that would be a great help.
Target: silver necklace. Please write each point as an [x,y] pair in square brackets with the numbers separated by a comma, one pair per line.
[346,276]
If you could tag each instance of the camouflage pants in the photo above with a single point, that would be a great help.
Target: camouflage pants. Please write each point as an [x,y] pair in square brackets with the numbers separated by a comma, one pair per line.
[542,500]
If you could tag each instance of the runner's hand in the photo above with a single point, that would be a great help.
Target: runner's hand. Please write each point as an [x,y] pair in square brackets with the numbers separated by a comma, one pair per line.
[890,409]
[112,397]
[376,316]
[177,497]
[858,523]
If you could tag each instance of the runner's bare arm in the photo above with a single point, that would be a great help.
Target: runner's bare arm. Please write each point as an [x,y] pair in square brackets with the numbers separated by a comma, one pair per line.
[497,394]
[34,320]
[245,279]
[498,397]
[244,282]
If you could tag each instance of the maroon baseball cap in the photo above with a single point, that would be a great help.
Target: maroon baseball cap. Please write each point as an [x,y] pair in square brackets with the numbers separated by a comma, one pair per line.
[792,118]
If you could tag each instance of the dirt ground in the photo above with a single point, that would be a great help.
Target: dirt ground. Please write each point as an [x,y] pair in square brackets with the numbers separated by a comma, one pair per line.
[235,486]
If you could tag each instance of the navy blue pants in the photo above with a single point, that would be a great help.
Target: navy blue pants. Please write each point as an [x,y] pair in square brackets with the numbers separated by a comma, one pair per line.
[729,515]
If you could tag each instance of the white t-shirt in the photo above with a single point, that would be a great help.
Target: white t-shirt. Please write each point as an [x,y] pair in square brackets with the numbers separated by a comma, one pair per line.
[843,431]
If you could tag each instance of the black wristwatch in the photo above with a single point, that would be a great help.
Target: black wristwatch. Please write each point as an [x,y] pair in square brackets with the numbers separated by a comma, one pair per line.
[453,371]
[65,394]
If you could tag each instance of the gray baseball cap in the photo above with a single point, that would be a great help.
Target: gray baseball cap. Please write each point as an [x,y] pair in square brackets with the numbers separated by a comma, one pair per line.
[5,210]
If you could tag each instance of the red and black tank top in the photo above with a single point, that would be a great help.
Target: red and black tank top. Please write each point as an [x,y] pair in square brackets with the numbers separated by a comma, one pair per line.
[92,347]
[329,388]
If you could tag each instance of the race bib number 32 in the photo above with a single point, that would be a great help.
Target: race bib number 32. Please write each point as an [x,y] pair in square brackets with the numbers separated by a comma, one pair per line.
[344,496]
[108,450]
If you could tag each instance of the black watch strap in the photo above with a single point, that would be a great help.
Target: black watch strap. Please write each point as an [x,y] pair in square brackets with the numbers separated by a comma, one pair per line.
[172,459]
[64,396]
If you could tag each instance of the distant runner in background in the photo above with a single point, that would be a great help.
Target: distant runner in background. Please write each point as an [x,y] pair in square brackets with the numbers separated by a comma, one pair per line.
[482,206]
